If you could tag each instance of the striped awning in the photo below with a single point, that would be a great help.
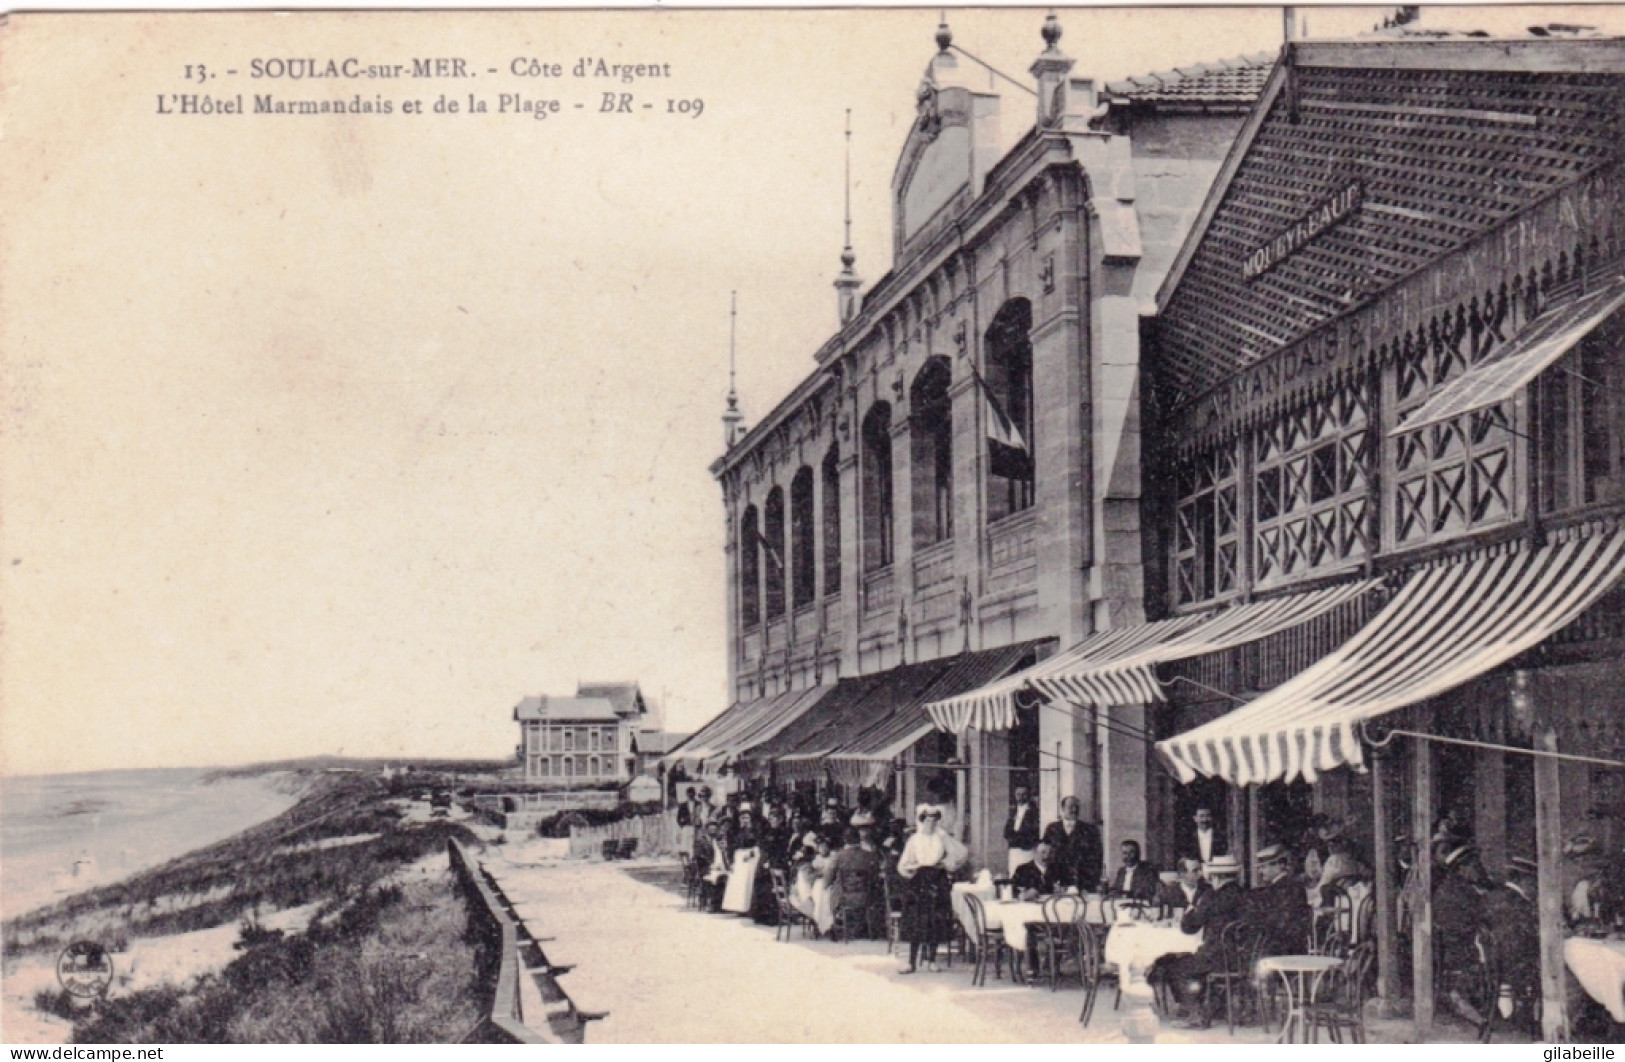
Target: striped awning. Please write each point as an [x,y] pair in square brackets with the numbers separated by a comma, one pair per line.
[863,750]
[1529,353]
[1117,666]
[743,726]
[1451,622]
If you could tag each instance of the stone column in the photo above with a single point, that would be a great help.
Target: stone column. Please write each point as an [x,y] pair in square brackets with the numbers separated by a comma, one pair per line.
[1124,785]
[851,538]
[902,493]
[730,537]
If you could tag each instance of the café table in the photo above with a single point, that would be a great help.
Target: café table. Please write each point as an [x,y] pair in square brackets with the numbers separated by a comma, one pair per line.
[1133,946]
[1301,974]
[1599,966]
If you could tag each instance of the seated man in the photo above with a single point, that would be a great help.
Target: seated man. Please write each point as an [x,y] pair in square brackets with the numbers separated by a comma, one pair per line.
[1134,879]
[853,878]
[1279,907]
[1039,876]
[1216,908]
[1190,887]
[712,860]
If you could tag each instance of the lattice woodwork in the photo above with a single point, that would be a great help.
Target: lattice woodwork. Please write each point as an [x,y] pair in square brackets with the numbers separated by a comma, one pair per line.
[1442,157]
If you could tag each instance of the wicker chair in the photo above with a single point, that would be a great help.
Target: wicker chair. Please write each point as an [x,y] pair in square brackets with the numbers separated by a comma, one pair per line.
[1340,1003]
[988,942]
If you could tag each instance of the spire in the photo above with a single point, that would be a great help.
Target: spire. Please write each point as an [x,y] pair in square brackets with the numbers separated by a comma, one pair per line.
[731,417]
[847,284]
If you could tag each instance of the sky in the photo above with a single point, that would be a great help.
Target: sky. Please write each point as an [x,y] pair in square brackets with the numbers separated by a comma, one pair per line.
[342,433]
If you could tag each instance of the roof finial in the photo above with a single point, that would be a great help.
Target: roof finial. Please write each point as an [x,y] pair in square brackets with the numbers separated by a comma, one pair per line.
[1051,31]
[945,36]
[847,257]
[731,416]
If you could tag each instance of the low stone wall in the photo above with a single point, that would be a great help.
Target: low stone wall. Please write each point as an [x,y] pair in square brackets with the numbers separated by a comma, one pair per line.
[519,967]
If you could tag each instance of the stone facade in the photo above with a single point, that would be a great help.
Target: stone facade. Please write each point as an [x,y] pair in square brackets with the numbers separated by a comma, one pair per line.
[1018,288]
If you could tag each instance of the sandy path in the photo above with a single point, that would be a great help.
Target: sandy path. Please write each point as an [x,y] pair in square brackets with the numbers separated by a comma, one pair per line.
[667,974]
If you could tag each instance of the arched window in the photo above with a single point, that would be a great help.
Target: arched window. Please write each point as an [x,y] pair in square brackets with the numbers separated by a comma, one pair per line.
[592,766]
[832,521]
[877,488]
[569,766]
[773,547]
[931,441]
[1008,391]
[750,570]
[803,559]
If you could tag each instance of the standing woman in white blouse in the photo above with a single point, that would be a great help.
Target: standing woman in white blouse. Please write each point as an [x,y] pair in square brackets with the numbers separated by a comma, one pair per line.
[926,865]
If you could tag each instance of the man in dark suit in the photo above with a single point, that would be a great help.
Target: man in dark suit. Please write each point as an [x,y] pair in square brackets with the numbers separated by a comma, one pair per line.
[1021,828]
[1076,845]
[711,857]
[1040,877]
[1134,879]
[1279,906]
[1222,904]
[1202,838]
[1184,893]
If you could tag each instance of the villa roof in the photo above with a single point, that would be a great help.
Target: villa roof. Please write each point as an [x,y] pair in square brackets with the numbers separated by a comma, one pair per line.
[625,696]
[570,709]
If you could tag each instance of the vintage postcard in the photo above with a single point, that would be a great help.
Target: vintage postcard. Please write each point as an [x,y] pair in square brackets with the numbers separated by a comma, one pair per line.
[1084,525]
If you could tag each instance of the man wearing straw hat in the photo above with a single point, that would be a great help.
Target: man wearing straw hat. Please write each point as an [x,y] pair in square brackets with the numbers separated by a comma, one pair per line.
[1178,978]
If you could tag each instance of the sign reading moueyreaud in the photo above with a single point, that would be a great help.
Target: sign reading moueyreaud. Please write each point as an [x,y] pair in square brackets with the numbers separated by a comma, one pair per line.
[1345,202]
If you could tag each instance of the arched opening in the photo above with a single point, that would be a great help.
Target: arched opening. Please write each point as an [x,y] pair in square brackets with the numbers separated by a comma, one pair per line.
[1008,389]
[773,546]
[803,559]
[931,440]
[750,570]
[832,521]
[877,488]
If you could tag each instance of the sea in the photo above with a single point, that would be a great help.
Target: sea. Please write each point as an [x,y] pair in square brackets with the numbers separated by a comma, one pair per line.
[64,833]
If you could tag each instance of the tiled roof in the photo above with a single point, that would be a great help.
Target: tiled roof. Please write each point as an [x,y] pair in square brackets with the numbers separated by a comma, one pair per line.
[569,709]
[1225,81]
[623,695]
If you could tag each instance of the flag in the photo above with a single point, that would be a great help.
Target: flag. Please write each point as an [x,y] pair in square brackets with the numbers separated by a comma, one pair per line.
[1007,453]
[772,554]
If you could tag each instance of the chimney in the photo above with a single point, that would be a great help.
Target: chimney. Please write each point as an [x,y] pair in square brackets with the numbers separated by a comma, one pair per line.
[1050,70]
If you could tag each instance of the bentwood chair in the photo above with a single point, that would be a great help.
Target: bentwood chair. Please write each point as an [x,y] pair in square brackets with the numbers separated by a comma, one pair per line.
[1057,941]
[1239,947]
[1340,1002]
[1091,969]
[691,880]
[894,916]
[989,943]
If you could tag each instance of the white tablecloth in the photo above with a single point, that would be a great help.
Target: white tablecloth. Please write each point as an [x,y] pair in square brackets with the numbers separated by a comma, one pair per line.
[1134,946]
[1011,916]
[962,909]
[1599,966]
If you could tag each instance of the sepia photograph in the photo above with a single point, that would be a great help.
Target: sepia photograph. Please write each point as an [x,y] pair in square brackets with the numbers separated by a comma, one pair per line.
[983,525]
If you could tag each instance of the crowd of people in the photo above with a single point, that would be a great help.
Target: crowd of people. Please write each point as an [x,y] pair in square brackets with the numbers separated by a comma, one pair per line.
[861,856]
